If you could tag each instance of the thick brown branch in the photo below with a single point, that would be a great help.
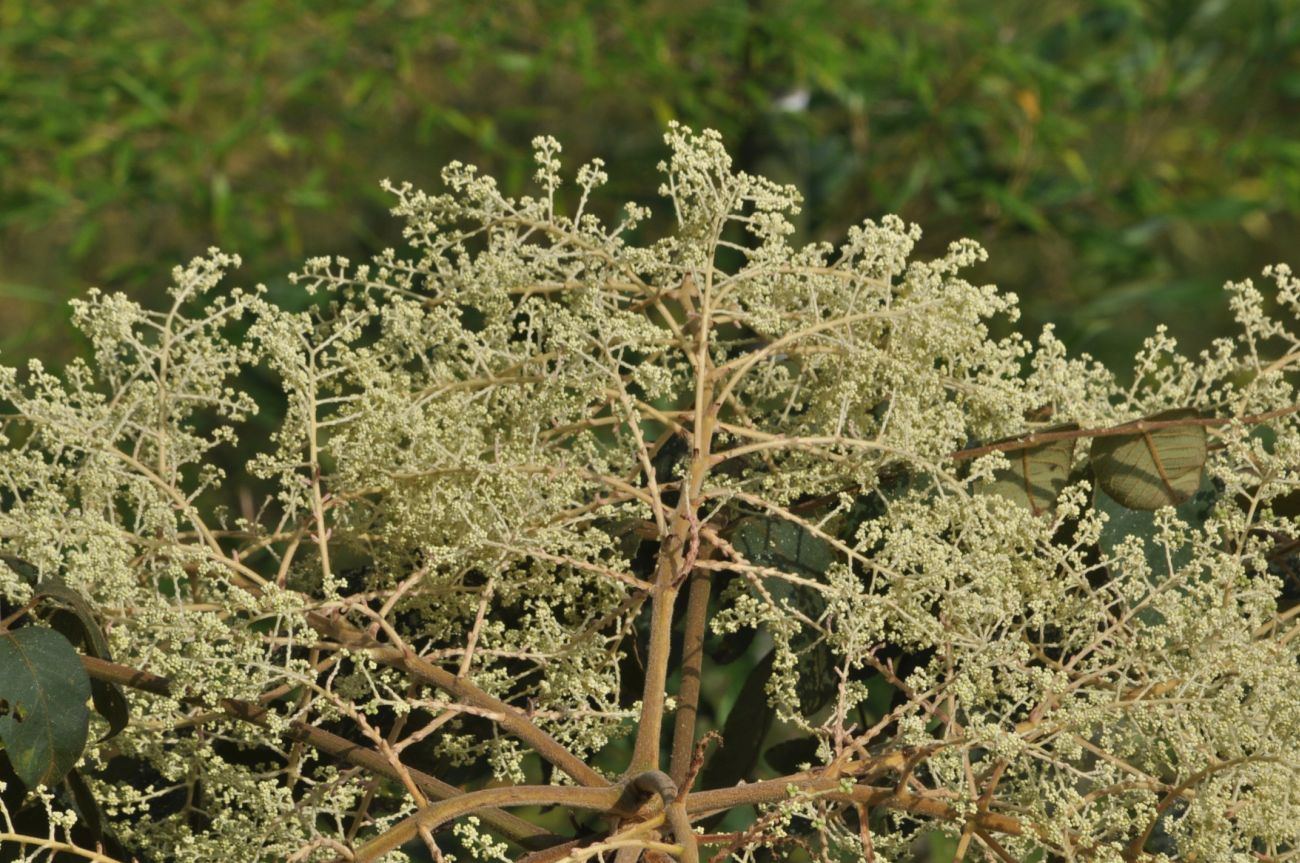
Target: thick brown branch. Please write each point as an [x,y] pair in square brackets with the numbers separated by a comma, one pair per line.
[645,752]
[599,799]
[688,695]
[774,790]
[680,821]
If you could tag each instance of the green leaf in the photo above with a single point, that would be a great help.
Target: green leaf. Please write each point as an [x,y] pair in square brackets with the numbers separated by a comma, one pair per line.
[76,621]
[43,693]
[817,682]
[1123,522]
[54,587]
[940,847]
[1036,475]
[747,724]
[1151,468]
[787,755]
[88,811]
[80,615]
[784,545]
[109,698]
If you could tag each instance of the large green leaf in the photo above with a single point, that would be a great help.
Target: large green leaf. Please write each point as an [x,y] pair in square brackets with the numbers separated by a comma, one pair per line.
[747,724]
[1151,468]
[109,698]
[1036,474]
[775,542]
[82,617]
[785,545]
[76,620]
[1123,522]
[43,715]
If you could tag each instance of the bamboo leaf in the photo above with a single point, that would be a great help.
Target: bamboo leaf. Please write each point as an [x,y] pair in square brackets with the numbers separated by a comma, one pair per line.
[43,715]
[1152,468]
[1036,474]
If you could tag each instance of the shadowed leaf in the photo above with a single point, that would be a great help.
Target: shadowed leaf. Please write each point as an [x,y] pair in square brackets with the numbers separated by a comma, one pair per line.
[785,545]
[782,544]
[109,698]
[789,754]
[43,716]
[1036,474]
[1123,522]
[742,734]
[76,621]
[1152,468]
[88,811]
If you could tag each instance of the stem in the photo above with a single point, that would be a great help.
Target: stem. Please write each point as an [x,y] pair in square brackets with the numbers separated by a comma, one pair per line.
[775,790]
[683,832]
[688,696]
[310,408]
[1110,431]
[429,817]
[54,845]
[660,783]
[645,753]
[510,718]
[553,855]
[588,847]
[515,828]
[677,552]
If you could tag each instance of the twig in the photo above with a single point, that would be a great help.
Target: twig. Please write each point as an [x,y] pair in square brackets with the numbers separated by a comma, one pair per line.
[431,816]
[517,829]
[1036,438]
[511,718]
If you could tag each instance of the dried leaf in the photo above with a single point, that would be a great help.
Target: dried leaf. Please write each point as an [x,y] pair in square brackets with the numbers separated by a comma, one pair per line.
[1036,474]
[1152,468]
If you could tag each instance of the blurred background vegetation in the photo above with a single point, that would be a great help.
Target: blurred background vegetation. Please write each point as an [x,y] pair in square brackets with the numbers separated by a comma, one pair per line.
[1119,159]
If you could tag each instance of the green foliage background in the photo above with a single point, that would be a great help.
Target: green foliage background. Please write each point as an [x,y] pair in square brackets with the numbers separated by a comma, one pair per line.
[1120,159]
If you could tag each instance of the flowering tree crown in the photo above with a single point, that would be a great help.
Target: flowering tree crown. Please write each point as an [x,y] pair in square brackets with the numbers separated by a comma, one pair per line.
[536,489]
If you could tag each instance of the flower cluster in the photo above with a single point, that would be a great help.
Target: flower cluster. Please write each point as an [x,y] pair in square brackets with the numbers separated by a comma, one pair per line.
[503,454]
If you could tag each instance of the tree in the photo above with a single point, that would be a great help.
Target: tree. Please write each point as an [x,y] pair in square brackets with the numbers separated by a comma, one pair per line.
[538,486]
